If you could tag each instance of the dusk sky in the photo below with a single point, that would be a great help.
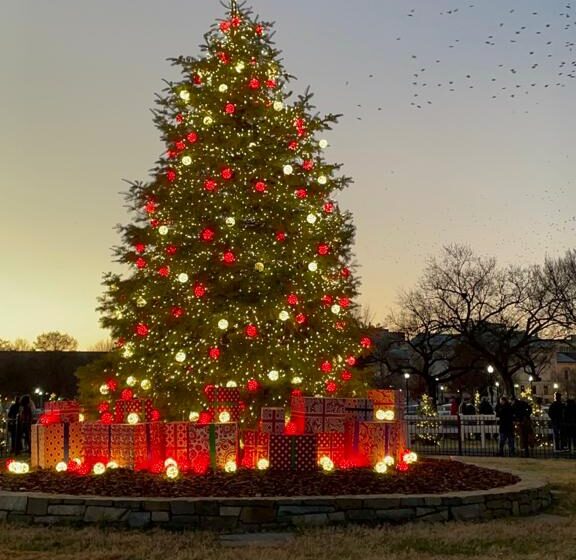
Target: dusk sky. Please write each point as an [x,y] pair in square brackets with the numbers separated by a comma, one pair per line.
[464,161]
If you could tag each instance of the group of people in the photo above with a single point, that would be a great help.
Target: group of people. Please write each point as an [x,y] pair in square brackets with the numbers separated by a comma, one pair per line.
[20,417]
[563,419]
[515,413]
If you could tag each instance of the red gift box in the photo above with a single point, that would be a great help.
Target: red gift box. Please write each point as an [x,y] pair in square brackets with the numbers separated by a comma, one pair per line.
[374,440]
[142,407]
[53,443]
[312,415]
[293,453]
[225,399]
[272,420]
[331,445]
[63,411]
[176,434]
[215,444]
[256,447]
[386,400]
[96,442]
[360,409]
[137,446]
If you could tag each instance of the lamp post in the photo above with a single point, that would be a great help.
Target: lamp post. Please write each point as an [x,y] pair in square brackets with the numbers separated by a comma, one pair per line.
[531,379]
[406,377]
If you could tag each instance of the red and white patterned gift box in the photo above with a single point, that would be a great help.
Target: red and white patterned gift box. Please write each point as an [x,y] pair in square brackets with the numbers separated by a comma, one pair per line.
[313,415]
[387,404]
[272,420]
[176,434]
[374,440]
[96,442]
[63,411]
[256,447]
[331,445]
[137,446]
[142,407]
[53,443]
[215,444]
[293,453]
[224,399]
[360,409]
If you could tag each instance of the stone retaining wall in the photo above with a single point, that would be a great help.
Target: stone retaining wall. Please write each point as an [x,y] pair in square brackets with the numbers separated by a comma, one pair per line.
[257,514]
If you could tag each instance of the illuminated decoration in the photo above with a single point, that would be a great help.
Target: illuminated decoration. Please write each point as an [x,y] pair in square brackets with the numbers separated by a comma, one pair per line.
[263,464]
[231,383]
[61,466]
[180,356]
[230,466]
[127,394]
[18,467]
[384,415]
[381,467]
[112,465]
[146,384]
[327,464]
[292,299]
[133,418]
[336,309]
[238,214]
[194,416]
[252,385]
[389,461]
[224,417]
[409,457]
[81,417]
[99,468]
[172,472]
[131,381]
[104,389]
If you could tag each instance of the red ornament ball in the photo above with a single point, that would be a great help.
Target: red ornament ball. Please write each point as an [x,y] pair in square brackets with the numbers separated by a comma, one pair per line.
[280,236]
[340,325]
[308,165]
[210,185]
[140,248]
[301,193]
[366,342]
[326,367]
[199,290]
[228,257]
[254,83]
[207,234]
[259,29]
[197,80]
[140,263]
[227,173]
[252,385]
[214,353]
[225,26]
[323,249]
[290,429]
[300,318]
[179,118]
[331,386]
[351,361]
[223,57]
[180,145]
[112,384]
[328,207]
[235,21]
[142,329]
[171,175]
[271,84]
[171,250]
[292,299]
[345,272]
[177,312]
[164,271]
[206,417]
[260,186]
[346,375]
[401,466]
[151,207]
[251,331]
[192,137]
[230,108]
[126,394]
[154,223]
[106,418]
[293,145]
[344,302]
[327,300]
[103,407]
[155,415]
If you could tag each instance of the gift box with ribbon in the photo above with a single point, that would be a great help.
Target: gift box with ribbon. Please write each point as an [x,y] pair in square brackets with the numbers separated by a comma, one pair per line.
[176,434]
[62,411]
[256,446]
[387,404]
[222,400]
[293,453]
[312,415]
[137,446]
[142,407]
[331,445]
[272,420]
[360,409]
[215,443]
[96,442]
[54,443]
[373,440]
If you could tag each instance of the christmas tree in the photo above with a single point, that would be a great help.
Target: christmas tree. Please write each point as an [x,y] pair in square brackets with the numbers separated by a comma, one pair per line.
[239,257]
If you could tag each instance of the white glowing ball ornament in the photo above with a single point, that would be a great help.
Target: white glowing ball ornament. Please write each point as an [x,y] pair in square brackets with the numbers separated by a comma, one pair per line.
[208,121]
[224,417]
[288,170]
[223,324]
[131,381]
[323,143]
[194,416]
[384,415]
[278,105]
[327,464]
[61,467]
[104,389]
[172,472]
[231,384]
[389,461]
[273,375]
[311,218]
[230,466]
[133,418]
[99,468]
[180,356]
[283,315]
[222,88]
[185,95]
[381,467]
[146,384]
[183,278]
[230,222]
[186,160]
[263,464]
[313,266]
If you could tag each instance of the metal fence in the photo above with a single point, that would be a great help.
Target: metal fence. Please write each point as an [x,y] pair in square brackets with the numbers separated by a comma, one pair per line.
[478,435]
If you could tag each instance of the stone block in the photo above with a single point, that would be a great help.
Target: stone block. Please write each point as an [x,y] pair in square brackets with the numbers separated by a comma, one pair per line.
[215,523]
[499,504]
[467,513]
[515,508]
[396,515]
[422,511]
[303,510]
[346,503]
[310,520]
[67,509]
[185,521]
[74,501]
[156,506]
[525,509]
[438,517]
[380,503]
[183,508]
[207,508]
[433,501]
[337,517]
[12,503]
[411,502]
[138,519]
[361,514]
[102,514]
[160,516]
[251,514]
[3,515]
[467,500]
[230,511]
[37,506]
[16,517]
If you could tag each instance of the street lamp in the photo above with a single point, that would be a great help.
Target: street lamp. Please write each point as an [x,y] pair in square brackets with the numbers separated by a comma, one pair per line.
[406,377]
[490,369]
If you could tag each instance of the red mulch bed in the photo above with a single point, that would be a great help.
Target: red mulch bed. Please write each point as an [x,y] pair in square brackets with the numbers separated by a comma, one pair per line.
[426,476]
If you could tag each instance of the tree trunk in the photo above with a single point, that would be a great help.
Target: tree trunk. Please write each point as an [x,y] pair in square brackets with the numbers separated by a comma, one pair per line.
[508,383]
[432,389]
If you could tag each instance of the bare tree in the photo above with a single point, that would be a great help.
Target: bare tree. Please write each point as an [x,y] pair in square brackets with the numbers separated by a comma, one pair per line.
[559,278]
[55,341]
[500,313]
[21,345]
[104,345]
[5,345]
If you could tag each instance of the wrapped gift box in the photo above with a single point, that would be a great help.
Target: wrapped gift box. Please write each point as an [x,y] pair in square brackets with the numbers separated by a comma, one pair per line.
[331,445]
[293,453]
[272,420]
[64,411]
[256,447]
[215,443]
[53,443]
[96,442]
[313,415]
[387,400]
[360,409]
[176,434]
[225,399]
[137,446]
[142,407]
[374,440]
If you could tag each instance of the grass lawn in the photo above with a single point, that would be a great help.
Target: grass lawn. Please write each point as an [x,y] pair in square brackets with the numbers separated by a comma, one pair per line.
[552,536]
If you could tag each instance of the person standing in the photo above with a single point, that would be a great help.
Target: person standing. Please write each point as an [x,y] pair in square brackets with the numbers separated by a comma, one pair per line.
[569,426]
[505,416]
[522,415]
[25,418]
[556,413]
[485,407]
[12,421]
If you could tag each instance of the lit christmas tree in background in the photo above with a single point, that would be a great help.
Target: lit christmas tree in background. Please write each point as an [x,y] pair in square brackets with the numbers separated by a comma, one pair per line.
[239,256]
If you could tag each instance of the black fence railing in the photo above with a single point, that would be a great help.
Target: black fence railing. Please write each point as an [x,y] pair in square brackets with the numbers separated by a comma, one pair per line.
[479,435]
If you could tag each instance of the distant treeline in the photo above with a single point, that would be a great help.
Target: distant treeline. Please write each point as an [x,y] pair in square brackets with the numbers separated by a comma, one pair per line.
[53,372]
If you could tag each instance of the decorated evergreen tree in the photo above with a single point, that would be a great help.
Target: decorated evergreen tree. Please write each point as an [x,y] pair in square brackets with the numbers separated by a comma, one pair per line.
[239,257]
